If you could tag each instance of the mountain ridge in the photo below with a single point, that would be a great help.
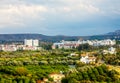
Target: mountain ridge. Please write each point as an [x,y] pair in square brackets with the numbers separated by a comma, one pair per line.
[117,32]
[41,37]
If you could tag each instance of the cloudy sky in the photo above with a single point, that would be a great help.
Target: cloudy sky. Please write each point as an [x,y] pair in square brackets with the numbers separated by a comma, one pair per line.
[59,17]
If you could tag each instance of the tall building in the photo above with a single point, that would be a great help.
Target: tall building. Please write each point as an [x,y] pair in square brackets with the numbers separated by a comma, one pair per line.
[28,42]
[31,42]
[35,42]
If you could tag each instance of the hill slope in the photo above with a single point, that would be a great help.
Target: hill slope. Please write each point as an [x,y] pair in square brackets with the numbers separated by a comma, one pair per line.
[117,32]
[21,37]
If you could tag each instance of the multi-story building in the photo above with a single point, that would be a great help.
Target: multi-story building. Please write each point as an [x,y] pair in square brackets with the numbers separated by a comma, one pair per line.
[35,42]
[28,42]
[31,42]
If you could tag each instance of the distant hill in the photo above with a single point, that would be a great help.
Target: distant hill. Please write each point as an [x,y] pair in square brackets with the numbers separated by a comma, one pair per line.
[110,35]
[117,32]
[21,37]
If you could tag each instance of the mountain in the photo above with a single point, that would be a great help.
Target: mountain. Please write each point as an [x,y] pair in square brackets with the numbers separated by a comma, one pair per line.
[117,32]
[110,35]
[21,37]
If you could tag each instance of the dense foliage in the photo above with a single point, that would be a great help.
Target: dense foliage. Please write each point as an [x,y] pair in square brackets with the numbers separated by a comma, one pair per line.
[30,66]
[92,75]
[24,66]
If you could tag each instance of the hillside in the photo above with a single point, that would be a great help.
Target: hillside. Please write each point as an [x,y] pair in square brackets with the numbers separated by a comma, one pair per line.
[117,32]
[21,37]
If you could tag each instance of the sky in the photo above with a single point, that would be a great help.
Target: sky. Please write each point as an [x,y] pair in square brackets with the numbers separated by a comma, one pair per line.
[59,17]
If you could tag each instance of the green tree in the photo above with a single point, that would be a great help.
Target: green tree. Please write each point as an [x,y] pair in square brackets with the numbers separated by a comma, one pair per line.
[2,80]
[84,47]
[26,80]
[21,71]
[32,81]
[100,70]
[85,75]
[64,80]
[72,80]
[14,81]
[20,81]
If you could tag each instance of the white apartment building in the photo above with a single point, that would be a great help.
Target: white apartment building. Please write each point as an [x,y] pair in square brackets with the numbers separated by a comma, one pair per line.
[28,42]
[35,42]
[31,42]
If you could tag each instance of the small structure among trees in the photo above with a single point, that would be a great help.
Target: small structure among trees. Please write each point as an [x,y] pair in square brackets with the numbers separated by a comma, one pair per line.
[86,58]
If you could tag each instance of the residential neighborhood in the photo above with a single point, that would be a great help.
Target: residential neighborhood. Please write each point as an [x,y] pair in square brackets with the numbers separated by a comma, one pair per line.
[74,44]
[29,44]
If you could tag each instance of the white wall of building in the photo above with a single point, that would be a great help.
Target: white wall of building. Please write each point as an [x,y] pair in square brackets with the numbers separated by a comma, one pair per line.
[35,42]
[31,42]
[28,42]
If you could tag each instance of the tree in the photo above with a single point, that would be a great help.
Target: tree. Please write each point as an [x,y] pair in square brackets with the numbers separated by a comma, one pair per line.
[20,81]
[96,73]
[100,70]
[2,80]
[91,75]
[72,80]
[48,47]
[14,81]
[64,80]
[21,71]
[32,81]
[85,75]
[50,79]
[80,76]
[84,47]
[26,80]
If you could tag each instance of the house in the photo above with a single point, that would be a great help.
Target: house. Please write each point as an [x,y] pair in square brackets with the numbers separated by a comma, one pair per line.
[85,58]
[57,77]
[74,54]
[110,50]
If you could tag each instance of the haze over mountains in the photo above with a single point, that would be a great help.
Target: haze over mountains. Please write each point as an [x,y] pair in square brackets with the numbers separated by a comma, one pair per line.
[21,37]
[117,32]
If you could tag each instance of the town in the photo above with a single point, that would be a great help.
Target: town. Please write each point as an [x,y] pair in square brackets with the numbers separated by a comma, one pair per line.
[74,44]
[29,44]
[59,61]
[33,44]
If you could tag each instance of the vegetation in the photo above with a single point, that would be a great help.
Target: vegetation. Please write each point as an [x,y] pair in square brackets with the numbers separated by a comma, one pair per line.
[92,75]
[30,66]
